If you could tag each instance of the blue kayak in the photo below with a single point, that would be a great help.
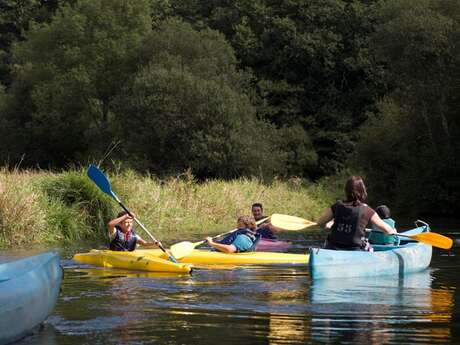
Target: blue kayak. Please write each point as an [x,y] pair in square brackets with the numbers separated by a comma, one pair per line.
[29,289]
[409,256]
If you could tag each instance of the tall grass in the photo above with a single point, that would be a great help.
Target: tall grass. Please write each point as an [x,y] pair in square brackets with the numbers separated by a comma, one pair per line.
[22,219]
[39,206]
[76,208]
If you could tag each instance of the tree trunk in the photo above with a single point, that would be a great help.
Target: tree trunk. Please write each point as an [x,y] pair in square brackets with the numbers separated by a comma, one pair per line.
[426,119]
[105,111]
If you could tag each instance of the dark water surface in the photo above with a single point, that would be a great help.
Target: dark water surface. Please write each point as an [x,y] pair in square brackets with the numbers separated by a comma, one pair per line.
[255,305]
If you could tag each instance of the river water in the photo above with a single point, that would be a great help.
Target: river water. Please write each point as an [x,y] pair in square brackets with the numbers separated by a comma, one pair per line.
[254,305]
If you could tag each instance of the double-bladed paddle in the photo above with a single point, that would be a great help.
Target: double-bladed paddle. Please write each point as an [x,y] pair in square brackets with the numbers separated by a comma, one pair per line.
[98,177]
[296,223]
[182,249]
[432,238]
[290,223]
[280,221]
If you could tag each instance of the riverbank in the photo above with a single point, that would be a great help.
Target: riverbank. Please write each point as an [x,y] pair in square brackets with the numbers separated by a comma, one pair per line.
[41,207]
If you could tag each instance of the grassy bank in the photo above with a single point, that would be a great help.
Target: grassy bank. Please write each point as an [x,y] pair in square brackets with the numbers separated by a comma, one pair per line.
[43,207]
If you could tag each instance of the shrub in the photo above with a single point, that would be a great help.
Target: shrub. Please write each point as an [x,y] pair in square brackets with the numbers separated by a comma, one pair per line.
[75,206]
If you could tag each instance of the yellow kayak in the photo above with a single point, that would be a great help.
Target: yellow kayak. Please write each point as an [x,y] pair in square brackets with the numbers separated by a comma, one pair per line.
[199,256]
[139,260]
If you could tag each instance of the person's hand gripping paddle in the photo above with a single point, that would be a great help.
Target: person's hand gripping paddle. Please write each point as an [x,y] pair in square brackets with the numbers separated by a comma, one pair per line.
[98,177]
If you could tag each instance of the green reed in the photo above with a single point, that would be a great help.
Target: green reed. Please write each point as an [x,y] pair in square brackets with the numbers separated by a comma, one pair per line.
[45,207]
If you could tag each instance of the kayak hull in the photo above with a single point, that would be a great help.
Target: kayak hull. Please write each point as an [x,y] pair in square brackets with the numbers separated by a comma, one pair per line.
[207,257]
[138,260]
[385,260]
[269,245]
[29,289]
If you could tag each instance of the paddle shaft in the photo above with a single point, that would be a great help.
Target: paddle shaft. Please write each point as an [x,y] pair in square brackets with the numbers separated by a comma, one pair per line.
[431,238]
[98,177]
[260,221]
[297,223]
[290,223]
[172,258]
[142,226]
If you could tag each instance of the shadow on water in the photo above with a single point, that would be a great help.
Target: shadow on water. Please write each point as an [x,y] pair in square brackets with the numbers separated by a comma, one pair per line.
[254,305]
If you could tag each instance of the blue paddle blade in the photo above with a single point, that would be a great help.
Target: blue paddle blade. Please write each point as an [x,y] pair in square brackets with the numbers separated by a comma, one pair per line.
[100,180]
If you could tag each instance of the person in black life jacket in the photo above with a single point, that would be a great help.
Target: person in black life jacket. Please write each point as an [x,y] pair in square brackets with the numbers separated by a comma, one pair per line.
[244,239]
[265,229]
[123,237]
[350,218]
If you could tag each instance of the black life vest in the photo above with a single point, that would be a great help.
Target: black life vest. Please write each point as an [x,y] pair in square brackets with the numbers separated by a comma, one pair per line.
[346,231]
[266,233]
[124,243]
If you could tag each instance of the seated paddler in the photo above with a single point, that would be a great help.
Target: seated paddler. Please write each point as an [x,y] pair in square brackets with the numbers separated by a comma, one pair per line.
[122,235]
[265,229]
[243,239]
[376,235]
[350,218]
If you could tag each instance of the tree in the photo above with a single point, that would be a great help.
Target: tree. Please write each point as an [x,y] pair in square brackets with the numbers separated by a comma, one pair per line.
[310,62]
[413,133]
[69,72]
[15,17]
[188,109]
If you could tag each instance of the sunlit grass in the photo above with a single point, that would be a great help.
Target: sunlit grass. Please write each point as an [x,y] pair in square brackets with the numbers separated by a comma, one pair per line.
[22,219]
[39,206]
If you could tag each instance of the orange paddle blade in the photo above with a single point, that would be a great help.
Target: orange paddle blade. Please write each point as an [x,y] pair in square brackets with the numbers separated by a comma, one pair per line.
[433,238]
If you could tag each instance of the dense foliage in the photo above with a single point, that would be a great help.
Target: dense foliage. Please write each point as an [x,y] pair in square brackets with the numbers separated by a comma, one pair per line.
[239,88]
[409,147]
[68,208]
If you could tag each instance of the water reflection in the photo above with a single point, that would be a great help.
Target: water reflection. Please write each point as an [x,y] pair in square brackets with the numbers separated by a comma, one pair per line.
[252,305]
[412,288]
[382,310]
[229,304]
[285,329]
[46,336]
[111,274]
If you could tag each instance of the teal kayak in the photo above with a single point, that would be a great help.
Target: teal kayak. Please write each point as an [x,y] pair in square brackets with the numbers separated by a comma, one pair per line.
[29,289]
[409,256]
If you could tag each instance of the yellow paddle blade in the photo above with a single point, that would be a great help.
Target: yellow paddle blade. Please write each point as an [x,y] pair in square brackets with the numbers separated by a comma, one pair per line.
[182,249]
[433,238]
[290,223]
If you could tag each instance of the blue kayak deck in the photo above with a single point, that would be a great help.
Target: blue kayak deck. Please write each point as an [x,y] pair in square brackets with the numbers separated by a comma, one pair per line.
[410,256]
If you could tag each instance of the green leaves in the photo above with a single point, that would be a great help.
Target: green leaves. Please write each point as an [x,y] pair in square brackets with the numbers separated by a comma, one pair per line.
[189,108]
[231,88]
[70,70]
[408,149]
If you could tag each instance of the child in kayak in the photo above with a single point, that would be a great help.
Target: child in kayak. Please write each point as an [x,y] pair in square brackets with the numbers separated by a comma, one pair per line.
[122,236]
[241,240]
[376,236]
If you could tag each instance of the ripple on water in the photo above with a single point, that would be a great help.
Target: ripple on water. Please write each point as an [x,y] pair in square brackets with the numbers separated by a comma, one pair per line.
[255,305]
